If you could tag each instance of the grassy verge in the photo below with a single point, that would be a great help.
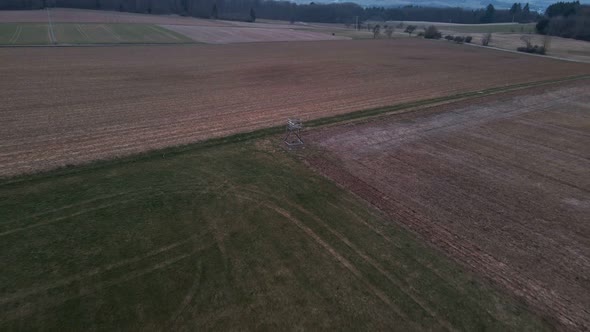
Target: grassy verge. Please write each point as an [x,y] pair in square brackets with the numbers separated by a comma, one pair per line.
[232,236]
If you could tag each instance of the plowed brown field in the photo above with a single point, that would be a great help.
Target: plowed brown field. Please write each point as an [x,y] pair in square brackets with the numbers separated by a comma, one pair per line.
[72,105]
[227,35]
[501,184]
[68,15]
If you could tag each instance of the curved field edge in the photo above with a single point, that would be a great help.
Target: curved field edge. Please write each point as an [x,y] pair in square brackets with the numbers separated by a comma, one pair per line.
[228,236]
[256,134]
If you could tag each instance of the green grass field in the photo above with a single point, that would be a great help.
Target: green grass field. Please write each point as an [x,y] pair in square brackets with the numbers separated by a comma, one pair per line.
[24,34]
[493,28]
[72,33]
[231,236]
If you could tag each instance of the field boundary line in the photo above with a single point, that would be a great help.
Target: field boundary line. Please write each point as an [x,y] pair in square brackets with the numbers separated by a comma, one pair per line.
[361,115]
[52,38]
[16,34]
[163,31]
[111,31]
[82,32]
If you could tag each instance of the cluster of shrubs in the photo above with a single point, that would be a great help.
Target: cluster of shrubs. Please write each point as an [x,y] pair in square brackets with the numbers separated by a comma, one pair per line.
[432,33]
[459,39]
[532,49]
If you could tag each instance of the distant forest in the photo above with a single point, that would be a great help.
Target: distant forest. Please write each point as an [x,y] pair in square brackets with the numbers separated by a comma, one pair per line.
[283,10]
[566,19]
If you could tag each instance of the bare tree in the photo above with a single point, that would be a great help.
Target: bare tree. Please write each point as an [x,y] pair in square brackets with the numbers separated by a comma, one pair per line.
[410,29]
[214,12]
[527,40]
[376,31]
[389,30]
[546,42]
[486,39]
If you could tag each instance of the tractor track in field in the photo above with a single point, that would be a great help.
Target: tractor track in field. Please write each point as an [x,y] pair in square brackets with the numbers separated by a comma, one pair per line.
[16,35]
[50,32]
[82,32]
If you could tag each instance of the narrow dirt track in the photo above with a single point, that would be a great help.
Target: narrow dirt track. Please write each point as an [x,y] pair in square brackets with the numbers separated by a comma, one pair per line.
[73,105]
[500,184]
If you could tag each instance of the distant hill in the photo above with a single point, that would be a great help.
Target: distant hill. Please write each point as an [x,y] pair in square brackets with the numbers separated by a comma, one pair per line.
[538,5]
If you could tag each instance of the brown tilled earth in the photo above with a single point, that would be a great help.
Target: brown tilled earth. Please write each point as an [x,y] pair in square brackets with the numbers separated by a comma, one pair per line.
[68,15]
[65,106]
[501,184]
[236,34]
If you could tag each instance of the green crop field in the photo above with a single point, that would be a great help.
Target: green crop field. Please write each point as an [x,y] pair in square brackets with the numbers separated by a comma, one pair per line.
[493,28]
[72,33]
[231,236]
[24,34]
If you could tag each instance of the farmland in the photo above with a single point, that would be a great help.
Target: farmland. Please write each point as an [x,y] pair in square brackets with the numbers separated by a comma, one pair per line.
[146,187]
[70,33]
[226,35]
[66,106]
[71,27]
[63,15]
[227,236]
[87,27]
[500,184]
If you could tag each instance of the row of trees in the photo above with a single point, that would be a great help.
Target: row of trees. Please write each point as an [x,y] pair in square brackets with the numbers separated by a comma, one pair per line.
[566,19]
[454,15]
[521,13]
[285,10]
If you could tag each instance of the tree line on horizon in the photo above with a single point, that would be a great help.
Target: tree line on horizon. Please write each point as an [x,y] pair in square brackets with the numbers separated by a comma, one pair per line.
[564,19]
[346,13]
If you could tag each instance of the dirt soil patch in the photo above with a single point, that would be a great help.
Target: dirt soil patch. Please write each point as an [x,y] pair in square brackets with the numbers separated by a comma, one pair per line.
[226,35]
[501,185]
[72,105]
